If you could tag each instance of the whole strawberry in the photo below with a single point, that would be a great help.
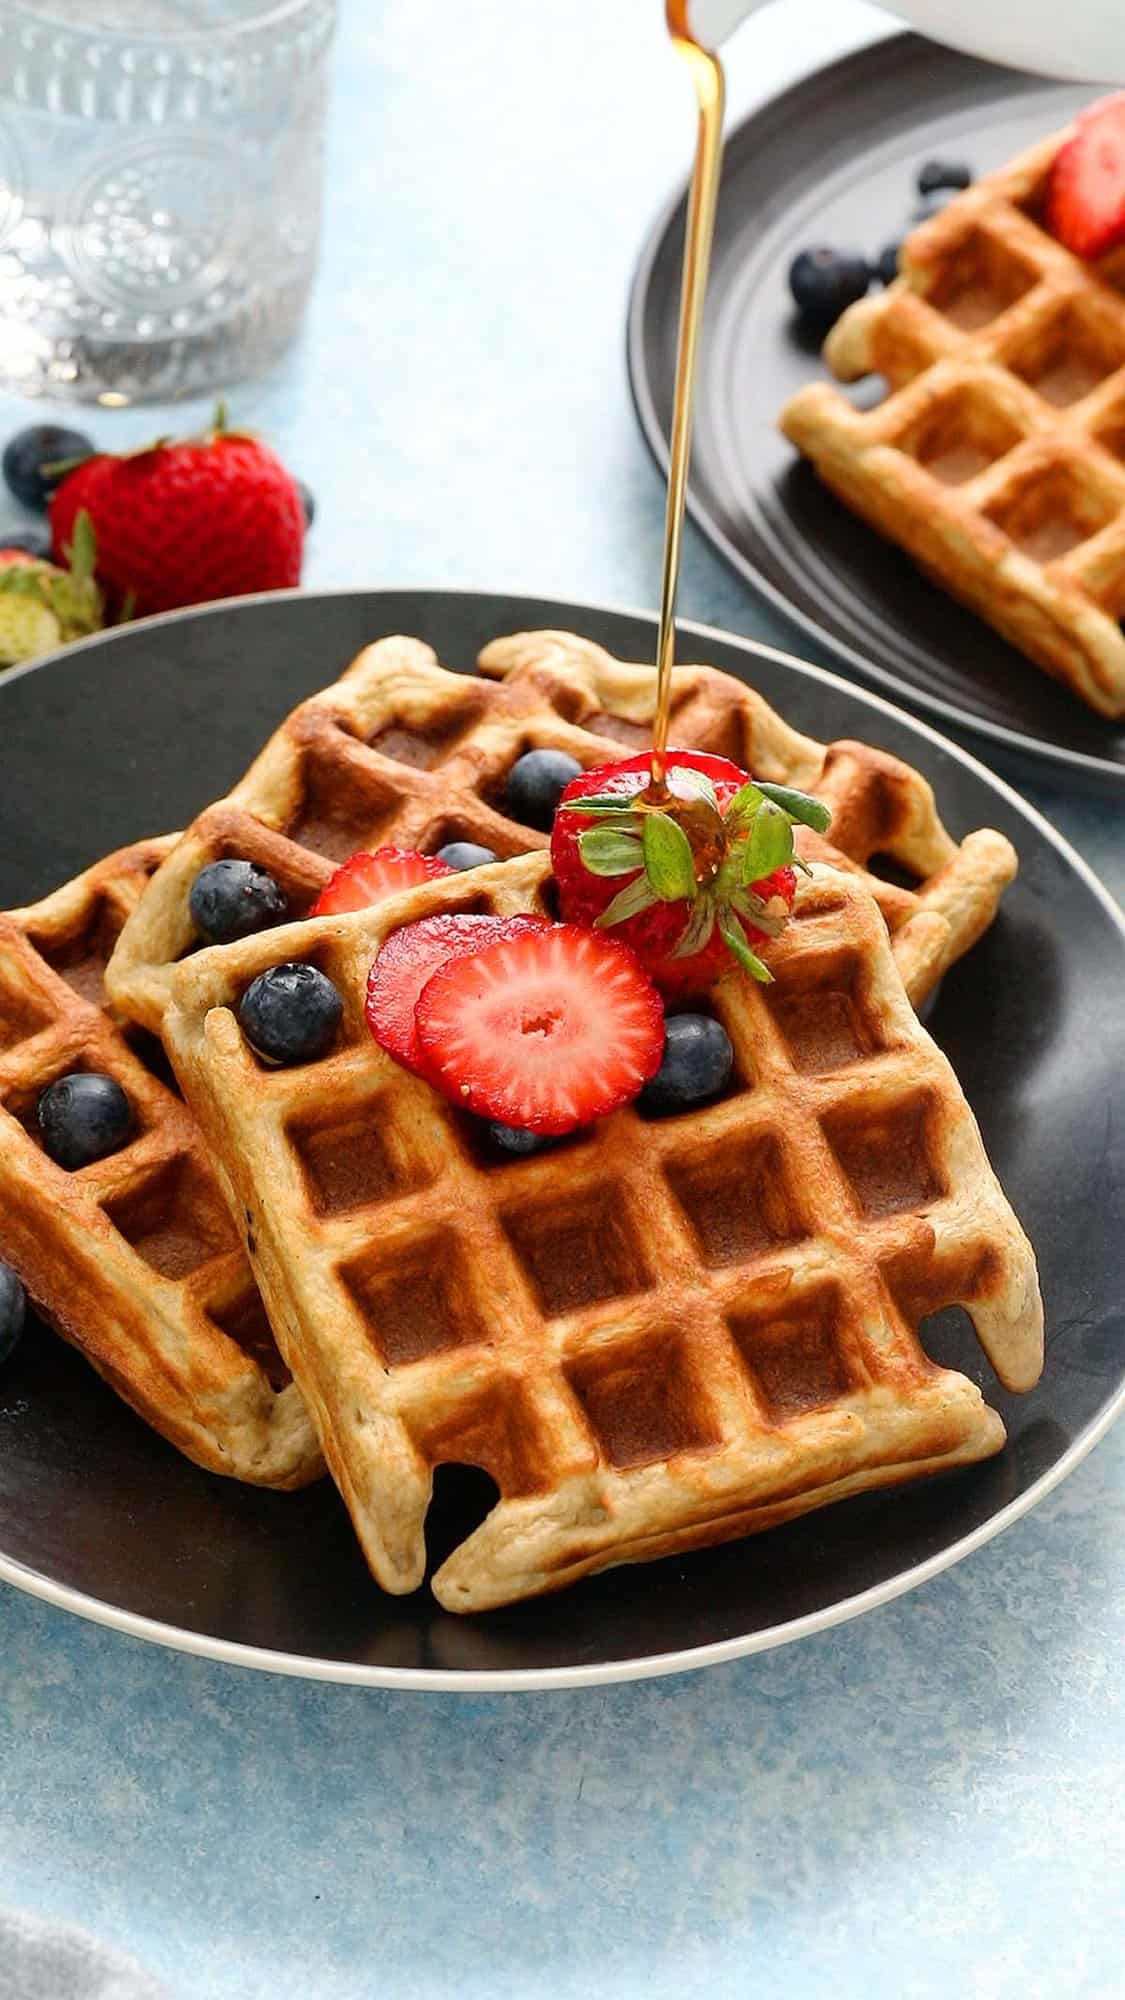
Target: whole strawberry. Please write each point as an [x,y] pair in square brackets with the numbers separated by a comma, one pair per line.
[691,880]
[184,521]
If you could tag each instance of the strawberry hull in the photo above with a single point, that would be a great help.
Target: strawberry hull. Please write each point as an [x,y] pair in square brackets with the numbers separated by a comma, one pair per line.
[655,933]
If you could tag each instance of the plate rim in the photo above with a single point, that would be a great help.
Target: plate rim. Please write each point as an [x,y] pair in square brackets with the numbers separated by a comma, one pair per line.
[1101,771]
[501,1680]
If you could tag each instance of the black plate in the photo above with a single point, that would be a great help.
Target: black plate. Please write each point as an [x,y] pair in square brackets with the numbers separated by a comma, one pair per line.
[130,734]
[833,160]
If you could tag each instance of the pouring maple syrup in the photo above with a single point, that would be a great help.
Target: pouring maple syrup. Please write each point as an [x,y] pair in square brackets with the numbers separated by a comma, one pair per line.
[707,76]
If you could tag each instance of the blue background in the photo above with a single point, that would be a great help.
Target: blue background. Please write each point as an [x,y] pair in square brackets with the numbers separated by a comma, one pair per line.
[926,1801]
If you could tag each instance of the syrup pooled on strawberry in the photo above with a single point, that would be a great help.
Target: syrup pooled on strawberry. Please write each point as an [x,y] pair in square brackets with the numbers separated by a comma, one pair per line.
[692,875]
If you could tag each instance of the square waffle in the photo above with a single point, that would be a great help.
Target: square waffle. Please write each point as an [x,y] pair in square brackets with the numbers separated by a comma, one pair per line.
[401,750]
[997,460]
[134,1259]
[660,1334]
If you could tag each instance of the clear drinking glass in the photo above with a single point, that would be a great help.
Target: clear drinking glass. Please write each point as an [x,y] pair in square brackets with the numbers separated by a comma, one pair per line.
[160,169]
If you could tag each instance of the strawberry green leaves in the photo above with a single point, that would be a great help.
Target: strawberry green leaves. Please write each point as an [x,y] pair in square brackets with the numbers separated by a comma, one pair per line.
[707,863]
[735,941]
[669,864]
[684,783]
[628,902]
[770,843]
[799,806]
[699,927]
[605,851]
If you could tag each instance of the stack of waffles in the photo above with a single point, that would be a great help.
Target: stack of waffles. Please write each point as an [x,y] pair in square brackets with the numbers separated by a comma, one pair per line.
[997,460]
[662,1332]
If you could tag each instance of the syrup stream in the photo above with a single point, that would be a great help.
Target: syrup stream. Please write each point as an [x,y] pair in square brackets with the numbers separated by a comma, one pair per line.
[707,76]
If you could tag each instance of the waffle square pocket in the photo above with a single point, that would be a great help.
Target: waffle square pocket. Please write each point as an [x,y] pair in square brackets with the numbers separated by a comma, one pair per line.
[666,1332]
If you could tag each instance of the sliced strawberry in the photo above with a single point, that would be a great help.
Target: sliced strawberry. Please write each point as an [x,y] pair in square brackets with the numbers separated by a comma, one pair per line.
[365,879]
[1086,189]
[546,1031]
[408,959]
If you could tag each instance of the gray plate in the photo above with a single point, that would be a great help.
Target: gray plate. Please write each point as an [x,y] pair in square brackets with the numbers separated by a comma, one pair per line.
[833,160]
[132,733]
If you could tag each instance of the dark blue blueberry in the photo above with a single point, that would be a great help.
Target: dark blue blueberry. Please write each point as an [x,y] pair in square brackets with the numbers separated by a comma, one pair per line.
[943,174]
[886,264]
[33,541]
[230,899]
[536,783]
[515,1139]
[82,1117]
[465,854]
[823,282]
[29,451]
[308,502]
[13,1312]
[697,1064]
[290,1014]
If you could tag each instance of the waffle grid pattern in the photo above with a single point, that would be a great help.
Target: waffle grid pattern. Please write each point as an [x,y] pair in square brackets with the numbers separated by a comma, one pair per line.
[661,1334]
[998,458]
[401,750]
[133,1259]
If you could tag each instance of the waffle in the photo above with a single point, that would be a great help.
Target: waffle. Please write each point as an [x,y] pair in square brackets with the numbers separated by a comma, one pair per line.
[997,460]
[134,1260]
[400,750]
[661,1334]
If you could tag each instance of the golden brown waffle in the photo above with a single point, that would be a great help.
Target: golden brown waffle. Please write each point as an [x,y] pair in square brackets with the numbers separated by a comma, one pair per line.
[400,750]
[662,1333]
[998,459]
[134,1259]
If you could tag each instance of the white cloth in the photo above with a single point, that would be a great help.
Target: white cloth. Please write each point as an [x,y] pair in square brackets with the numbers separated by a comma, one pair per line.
[45,1961]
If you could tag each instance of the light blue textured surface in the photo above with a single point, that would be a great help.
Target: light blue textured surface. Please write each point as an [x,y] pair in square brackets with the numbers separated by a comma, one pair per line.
[924,1803]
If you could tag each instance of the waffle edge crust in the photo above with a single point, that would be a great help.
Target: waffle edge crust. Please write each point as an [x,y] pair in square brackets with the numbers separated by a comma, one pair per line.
[997,458]
[665,1333]
[133,1260]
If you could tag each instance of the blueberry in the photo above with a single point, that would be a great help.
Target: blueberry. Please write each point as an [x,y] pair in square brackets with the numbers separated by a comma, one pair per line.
[29,451]
[886,264]
[290,1014]
[697,1064]
[82,1117]
[515,1139]
[308,502]
[943,174]
[536,783]
[13,1312]
[32,541]
[823,282]
[230,899]
[466,854]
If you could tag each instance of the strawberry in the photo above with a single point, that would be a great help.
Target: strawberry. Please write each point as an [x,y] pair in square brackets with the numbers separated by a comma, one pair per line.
[43,606]
[546,1031]
[689,880]
[1085,205]
[184,521]
[365,879]
[406,962]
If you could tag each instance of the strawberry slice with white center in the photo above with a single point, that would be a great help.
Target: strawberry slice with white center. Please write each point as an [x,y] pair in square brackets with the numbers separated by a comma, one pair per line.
[546,1031]
[365,879]
[410,957]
